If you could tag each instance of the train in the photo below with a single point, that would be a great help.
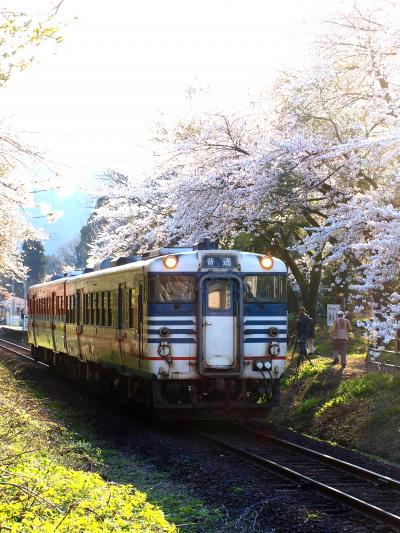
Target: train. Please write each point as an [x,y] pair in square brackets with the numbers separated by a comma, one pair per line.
[193,332]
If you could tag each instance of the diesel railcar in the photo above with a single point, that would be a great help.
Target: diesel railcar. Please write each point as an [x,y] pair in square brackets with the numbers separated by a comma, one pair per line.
[188,332]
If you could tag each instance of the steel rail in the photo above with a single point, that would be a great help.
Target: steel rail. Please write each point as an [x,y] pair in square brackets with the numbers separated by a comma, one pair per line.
[11,347]
[351,501]
[359,471]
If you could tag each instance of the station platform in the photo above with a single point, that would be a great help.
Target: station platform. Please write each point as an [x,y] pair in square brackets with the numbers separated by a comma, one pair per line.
[11,328]
[13,333]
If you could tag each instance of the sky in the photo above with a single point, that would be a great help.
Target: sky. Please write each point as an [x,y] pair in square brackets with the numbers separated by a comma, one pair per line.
[126,65]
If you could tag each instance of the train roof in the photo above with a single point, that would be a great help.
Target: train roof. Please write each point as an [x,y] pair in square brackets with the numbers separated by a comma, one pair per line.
[188,261]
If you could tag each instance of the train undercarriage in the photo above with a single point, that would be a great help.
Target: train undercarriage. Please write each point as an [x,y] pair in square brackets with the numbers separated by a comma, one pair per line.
[202,399]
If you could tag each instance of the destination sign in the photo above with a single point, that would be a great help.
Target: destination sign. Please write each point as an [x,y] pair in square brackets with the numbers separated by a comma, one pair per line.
[219,261]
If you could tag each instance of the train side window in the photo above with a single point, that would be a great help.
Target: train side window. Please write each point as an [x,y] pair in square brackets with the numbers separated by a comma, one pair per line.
[103,309]
[265,288]
[170,288]
[72,310]
[84,309]
[132,298]
[110,302]
[92,310]
[87,321]
[87,309]
[97,308]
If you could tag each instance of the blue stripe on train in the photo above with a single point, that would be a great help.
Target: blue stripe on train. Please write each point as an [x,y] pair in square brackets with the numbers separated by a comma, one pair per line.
[186,331]
[166,309]
[266,339]
[166,322]
[265,322]
[172,341]
[255,331]
[267,309]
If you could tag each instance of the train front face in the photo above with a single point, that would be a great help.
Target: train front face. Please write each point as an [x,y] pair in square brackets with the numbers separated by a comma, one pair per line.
[217,329]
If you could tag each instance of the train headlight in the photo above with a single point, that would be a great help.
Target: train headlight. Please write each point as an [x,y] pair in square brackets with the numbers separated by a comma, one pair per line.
[170,261]
[273,332]
[274,349]
[266,262]
[164,350]
[262,365]
[164,332]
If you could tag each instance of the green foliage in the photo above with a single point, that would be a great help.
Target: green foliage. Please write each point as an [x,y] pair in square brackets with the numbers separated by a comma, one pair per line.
[308,370]
[367,385]
[308,405]
[35,261]
[42,487]
[69,500]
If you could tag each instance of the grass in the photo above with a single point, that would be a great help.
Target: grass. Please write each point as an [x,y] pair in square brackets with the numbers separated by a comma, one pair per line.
[351,408]
[53,476]
[44,482]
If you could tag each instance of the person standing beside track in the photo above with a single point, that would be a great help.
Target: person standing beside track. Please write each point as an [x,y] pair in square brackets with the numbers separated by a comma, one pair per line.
[340,333]
[305,330]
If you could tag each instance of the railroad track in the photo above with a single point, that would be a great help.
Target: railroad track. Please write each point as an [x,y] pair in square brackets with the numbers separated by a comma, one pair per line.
[20,350]
[368,492]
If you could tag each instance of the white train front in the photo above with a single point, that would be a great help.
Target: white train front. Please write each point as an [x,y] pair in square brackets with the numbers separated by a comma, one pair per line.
[188,331]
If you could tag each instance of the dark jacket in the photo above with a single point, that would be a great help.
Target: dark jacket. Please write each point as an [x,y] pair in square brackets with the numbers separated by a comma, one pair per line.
[305,327]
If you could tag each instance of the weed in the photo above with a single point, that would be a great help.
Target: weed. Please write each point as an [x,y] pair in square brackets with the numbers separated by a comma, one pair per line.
[308,405]
[41,485]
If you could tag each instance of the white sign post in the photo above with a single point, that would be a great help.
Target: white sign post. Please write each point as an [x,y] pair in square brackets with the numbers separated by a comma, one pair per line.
[331,313]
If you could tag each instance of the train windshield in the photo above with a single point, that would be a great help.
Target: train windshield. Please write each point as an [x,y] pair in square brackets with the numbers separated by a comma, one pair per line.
[264,288]
[172,289]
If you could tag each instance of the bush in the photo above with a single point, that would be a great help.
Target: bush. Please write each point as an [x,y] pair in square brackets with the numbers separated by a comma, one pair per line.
[41,490]
[38,495]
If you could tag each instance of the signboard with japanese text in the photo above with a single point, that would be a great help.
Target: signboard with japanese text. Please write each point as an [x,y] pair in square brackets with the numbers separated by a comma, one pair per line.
[219,261]
[331,313]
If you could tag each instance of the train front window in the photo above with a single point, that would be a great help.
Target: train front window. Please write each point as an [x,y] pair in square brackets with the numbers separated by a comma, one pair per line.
[172,289]
[219,294]
[264,288]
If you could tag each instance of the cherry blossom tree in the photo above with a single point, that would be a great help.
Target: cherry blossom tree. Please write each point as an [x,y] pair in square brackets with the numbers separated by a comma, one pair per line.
[303,177]
[20,36]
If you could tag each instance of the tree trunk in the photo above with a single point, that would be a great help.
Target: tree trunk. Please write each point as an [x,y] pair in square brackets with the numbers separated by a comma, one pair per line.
[308,290]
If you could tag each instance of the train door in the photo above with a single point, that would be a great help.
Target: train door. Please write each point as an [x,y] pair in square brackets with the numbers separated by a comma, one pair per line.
[121,330]
[34,313]
[221,324]
[140,323]
[53,321]
[79,321]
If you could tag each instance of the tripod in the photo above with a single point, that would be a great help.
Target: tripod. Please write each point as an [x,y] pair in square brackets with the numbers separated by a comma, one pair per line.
[302,353]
